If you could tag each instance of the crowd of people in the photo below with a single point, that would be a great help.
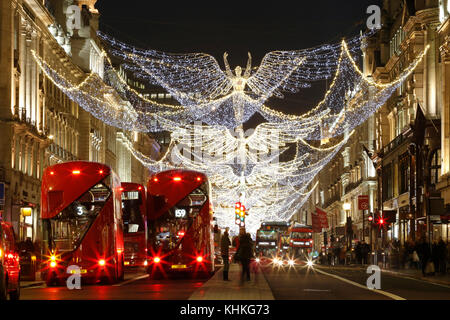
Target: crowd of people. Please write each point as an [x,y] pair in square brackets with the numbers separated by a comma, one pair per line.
[430,259]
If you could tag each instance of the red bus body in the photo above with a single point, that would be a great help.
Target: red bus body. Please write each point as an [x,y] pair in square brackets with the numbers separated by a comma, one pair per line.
[134,209]
[180,222]
[300,239]
[82,222]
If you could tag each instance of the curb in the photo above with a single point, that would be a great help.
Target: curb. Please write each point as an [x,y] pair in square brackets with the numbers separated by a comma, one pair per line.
[30,285]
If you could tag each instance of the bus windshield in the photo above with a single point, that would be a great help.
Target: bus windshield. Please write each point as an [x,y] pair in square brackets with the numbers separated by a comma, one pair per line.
[301,235]
[67,229]
[168,230]
[132,215]
[267,235]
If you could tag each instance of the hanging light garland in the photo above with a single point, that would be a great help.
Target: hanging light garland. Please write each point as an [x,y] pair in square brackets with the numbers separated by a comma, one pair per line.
[206,125]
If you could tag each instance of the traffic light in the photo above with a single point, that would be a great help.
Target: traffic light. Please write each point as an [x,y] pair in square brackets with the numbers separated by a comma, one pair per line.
[370,218]
[239,210]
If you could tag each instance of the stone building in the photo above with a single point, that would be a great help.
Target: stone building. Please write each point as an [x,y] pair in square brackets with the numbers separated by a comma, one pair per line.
[40,125]
[396,154]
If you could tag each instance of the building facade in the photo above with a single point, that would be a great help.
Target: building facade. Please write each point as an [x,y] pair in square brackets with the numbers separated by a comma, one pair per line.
[40,125]
[400,156]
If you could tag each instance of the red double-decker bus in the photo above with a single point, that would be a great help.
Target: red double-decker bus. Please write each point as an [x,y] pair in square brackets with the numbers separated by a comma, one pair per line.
[180,219]
[134,209]
[82,223]
[301,241]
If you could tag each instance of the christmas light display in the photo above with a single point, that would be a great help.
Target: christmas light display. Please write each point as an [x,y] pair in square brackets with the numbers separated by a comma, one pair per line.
[206,125]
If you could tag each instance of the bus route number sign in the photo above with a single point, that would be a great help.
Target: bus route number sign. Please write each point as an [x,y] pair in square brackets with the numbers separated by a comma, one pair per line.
[180,213]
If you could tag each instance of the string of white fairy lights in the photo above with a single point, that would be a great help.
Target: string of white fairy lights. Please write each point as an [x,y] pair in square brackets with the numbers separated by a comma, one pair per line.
[213,102]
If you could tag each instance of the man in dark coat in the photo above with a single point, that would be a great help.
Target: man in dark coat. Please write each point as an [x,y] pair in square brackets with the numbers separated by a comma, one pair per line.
[224,251]
[245,253]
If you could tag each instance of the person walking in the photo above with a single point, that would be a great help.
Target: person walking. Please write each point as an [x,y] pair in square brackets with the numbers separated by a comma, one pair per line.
[224,251]
[442,256]
[358,253]
[245,253]
[424,253]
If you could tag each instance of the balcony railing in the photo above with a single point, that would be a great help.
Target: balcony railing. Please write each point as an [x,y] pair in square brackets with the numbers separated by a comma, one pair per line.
[352,186]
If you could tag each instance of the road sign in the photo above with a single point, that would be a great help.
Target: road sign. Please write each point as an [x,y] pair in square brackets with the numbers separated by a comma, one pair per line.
[363,202]
[2,193]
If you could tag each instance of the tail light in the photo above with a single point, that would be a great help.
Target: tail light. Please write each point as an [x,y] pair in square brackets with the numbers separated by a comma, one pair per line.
[1,253]
[145,263]
[199,259]
[156,259]
[52,264]
[76,171]
[101,262]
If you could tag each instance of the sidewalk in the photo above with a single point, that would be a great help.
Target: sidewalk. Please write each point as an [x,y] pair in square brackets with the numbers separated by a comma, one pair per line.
[217,289]
[412,273]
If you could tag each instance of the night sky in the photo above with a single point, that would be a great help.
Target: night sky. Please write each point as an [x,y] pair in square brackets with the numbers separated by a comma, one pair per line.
[218,26]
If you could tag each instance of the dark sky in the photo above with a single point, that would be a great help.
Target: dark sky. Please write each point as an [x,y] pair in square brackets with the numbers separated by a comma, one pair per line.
[236,27]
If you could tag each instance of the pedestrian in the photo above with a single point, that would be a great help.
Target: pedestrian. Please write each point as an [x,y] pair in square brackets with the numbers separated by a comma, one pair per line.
[442,256]
[424,253]
[224,251]
[435,256]
[365,250]
[244,253]
[358,253]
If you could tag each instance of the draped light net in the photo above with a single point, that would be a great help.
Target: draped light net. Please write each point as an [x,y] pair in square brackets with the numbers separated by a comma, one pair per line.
[206,124]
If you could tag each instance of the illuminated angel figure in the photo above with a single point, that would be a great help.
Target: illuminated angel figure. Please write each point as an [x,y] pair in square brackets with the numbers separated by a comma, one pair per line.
[238,81]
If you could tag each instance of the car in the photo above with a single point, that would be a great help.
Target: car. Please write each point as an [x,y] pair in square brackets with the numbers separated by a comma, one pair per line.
[3,291]
[10,263]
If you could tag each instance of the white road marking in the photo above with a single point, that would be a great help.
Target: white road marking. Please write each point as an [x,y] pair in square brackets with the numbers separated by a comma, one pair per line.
[388,294]
[317,290]
[131,280]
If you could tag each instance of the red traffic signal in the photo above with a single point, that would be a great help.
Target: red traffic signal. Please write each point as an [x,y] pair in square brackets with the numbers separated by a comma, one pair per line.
[370,218]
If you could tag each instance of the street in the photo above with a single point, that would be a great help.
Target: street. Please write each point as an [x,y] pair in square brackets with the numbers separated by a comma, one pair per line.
[286,283]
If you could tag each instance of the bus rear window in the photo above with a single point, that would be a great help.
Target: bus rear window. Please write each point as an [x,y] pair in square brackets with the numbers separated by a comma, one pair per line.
[131,208]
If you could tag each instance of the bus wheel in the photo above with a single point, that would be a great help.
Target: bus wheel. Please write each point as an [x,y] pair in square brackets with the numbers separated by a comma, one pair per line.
[3,286]
[15,295]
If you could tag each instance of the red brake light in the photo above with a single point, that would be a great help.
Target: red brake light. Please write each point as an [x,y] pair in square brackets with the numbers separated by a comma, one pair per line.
[199,259]
[76,171]
[155,179]
[52,264]
[180,233]
[140,188]
[101,171]
[176,178]
[156,259]
[198,178]
[121,189]
[52,172]
[101,262]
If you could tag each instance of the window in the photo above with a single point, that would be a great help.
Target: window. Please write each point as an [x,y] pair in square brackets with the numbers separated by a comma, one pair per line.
[435,167]
[66,230]
[404,173]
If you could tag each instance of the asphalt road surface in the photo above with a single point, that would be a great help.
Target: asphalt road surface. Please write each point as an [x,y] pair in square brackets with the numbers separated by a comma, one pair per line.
[340,283]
